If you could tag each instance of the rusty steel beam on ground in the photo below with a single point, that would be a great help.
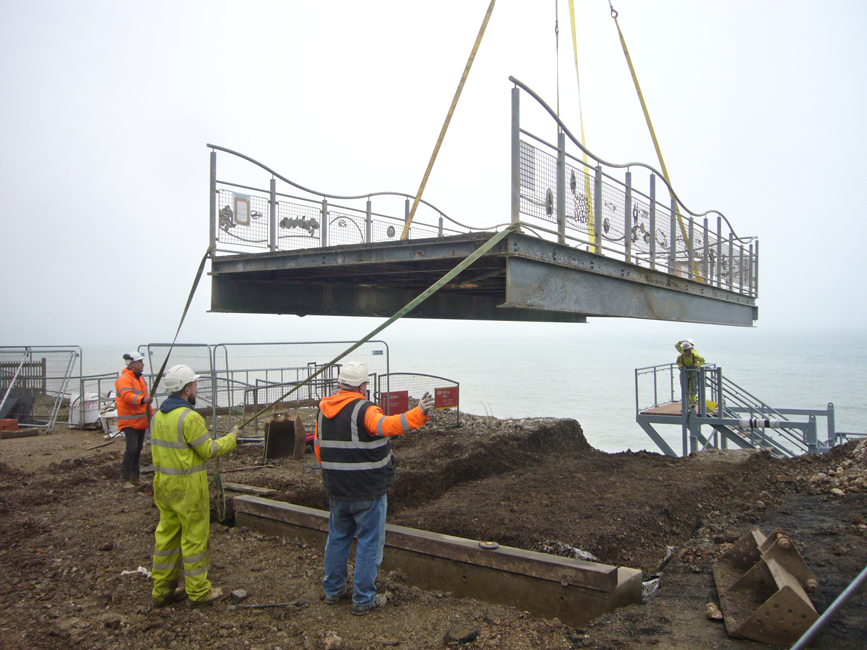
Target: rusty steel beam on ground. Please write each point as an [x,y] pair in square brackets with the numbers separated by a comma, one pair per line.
[546,585]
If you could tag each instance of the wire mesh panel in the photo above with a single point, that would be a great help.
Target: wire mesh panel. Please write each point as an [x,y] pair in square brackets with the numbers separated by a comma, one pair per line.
[345,227]
[399,392]
[298,225]
[243,218]
[34,381]
[613,222]
[538,183]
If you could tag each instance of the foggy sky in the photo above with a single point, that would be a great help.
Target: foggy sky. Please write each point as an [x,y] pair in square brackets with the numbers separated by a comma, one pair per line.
[106,108]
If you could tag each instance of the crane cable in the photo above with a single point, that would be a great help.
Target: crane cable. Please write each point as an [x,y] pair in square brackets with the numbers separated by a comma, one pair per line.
[652,132]
[591,224]
[451,112]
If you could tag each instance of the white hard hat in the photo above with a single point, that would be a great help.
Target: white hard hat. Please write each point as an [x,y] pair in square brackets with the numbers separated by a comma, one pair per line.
[687,344]
[129,357]
[179,376]
[353,373]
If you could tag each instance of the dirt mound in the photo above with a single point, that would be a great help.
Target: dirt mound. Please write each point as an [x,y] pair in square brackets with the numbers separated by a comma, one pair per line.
[71,541]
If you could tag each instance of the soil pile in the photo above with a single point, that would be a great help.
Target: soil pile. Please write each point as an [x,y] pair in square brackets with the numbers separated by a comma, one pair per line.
[72,542]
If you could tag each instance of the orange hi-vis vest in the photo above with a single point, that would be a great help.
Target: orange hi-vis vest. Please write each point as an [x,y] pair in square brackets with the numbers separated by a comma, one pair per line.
[131,411]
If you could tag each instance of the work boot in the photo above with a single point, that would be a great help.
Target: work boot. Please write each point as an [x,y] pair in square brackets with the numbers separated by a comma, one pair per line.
[378,601]
[343,595]
[215,595]
[175,597]
[128,486]
[134,479]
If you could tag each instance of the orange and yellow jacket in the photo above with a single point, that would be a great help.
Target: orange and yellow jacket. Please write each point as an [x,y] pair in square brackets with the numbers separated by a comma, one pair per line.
[131,390]
[352,445]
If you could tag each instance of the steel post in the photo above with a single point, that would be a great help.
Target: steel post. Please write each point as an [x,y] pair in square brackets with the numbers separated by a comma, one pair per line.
[516,155]
[406,214]
[756,272]
[272,216]
[705,271]
[597,211]
[673,238]
[719,252]
[368,222]
[741,269]
[440,227]
[812,435]
[653,221]
[627,219]
[324,227]
[561,187]
[750,272]
[731,262]
[832,426]
[213,186]
[690,249]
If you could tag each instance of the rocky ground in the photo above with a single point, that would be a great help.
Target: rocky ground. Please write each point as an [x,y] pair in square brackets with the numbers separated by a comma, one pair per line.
[72,541]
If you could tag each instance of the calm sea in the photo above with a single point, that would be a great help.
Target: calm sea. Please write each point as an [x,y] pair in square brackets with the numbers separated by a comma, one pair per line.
[585,373]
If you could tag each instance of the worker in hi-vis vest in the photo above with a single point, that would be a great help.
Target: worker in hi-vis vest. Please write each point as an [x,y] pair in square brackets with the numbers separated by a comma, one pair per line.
[691,360]
[132,402]
[358,468]
[180,445]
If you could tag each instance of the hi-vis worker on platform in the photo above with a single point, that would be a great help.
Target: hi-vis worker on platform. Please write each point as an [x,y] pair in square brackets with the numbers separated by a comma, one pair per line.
[132,403]
[180,444]
[691,360]
[358,468]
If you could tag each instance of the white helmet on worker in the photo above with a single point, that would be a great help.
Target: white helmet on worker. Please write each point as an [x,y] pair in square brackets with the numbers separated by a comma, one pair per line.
[353,373]
[130,357]
[179,376]
[687,345]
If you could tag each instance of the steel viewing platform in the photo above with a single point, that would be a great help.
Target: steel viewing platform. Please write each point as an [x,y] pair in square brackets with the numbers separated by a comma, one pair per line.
[587,244]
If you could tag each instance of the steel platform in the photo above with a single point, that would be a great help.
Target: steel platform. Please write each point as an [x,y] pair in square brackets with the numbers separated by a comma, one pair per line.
[523,278]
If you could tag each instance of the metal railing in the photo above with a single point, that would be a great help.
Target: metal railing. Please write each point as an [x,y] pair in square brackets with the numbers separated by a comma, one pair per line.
[406,388]
[554,195]
[586,206]
[706,397]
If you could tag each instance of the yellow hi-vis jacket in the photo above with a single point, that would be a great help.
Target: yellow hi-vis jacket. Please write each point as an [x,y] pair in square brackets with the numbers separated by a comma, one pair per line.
[686,360]
[181,443]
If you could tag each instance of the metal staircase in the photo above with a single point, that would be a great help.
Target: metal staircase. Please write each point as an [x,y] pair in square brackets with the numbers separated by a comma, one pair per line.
[733,415]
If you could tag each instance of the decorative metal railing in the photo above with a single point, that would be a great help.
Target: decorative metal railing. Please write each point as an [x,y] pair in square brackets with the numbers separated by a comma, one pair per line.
[595,206]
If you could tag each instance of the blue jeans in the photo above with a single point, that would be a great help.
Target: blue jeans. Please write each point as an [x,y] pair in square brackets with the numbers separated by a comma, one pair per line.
[366,519]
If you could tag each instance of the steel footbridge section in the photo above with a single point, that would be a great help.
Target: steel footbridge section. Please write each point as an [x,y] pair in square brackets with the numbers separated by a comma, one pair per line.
[524,278]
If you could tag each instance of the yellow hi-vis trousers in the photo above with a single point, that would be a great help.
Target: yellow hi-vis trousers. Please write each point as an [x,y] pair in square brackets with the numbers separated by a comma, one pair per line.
[181,537]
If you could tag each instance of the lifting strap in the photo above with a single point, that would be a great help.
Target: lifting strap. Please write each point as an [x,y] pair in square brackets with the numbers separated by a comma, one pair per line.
[591,225]
[427,293]
[451,112]
[650,126]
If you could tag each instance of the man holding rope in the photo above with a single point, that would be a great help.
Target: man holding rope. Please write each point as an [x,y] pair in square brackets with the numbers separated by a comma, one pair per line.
[358,468]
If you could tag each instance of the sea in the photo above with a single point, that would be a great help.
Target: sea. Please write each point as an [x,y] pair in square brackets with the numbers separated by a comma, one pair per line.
[588,373]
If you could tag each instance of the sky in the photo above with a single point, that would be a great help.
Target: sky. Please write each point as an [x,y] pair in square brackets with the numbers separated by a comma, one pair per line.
[106,109]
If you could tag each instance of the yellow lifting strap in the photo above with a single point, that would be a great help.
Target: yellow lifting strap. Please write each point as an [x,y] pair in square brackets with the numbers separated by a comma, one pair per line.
[649,126]
[591,226]
[451,112]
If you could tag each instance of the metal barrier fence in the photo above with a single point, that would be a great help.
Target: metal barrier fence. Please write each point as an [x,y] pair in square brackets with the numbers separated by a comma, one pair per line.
[35,380]
[238,377]
[398,392]
[554,195]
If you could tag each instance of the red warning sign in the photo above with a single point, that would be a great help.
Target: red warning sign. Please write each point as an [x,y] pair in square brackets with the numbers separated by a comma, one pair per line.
[395,402]
[446,398]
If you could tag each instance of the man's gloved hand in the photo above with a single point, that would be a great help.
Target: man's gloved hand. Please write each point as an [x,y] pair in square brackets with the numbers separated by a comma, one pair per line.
[235,432]
[426,404]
